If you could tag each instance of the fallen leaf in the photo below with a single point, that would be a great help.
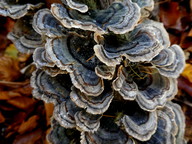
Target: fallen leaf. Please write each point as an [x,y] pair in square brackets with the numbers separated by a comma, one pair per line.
[6,25]
[174,39]
[14,84]
[185,85]
[15,123]
[188,122]
[2,118]
[187,73]
[17,90]
[49,112]
[29,125]
[9,69]
[22,102]
[22,57]
[191,5]
[49,2]
[4,41]
[7,95]
[171,15]
[185,41]
[190,32]
[29,138]
[6,107]
[11,51]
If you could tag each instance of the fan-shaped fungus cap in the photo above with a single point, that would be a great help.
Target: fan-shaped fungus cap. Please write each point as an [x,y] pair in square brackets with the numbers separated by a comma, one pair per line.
[180,121]
[42,61]
[76,58]
[50,89]
[141,124]
[41,58]
[45,24]
[104,71]
[141,44]
[149,88]
[118,18]
[63,52]
[166,128]
[108,132]
[61,135]
[13,9]
[24,37]
[146,7]
[64,113]
[92,104]
[76,6]
[87,122]
[170,62]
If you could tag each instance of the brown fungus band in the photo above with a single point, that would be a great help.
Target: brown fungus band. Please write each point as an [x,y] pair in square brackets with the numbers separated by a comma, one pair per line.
[109,70]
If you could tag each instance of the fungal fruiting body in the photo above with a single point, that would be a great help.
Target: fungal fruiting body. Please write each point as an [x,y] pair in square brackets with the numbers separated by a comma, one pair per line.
[109,70]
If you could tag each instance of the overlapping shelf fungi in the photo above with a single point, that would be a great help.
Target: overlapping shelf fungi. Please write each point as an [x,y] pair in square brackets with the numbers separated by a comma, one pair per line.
[108,69]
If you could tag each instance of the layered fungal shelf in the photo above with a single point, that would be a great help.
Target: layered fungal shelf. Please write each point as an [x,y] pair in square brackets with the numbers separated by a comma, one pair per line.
[108,68]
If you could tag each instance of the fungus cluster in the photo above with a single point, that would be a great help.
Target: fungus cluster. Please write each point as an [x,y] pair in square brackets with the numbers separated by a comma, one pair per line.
[108,69]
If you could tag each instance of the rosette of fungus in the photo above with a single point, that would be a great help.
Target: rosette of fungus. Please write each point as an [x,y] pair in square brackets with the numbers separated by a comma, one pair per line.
[109,71]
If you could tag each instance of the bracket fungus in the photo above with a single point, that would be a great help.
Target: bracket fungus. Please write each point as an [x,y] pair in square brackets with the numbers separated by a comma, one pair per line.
[16,9]
[108,133]
[87,122]
[76,6]
[24,37]
[140,125]
[140,45]
[170,61]
[50,89]
[118,17]
[109,70]
[146,7]
[149,88]
[92,104]
[61,135]
[167,127]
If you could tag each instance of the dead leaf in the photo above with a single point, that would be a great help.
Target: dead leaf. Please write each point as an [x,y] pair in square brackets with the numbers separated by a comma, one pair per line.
[187,73]
[49,112]
[190,32]
[188,121]
[174,39]
[171,15]
[185,85]
[22,102]
[22,57]
[191,5]
[49,2]
[6,25]
[9,69]
[14,84]
[15,89]
[2,118]
[185,41]
[6,107]
[29,138]
[11,51]
[29,125]
[15,123]
[7,95]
